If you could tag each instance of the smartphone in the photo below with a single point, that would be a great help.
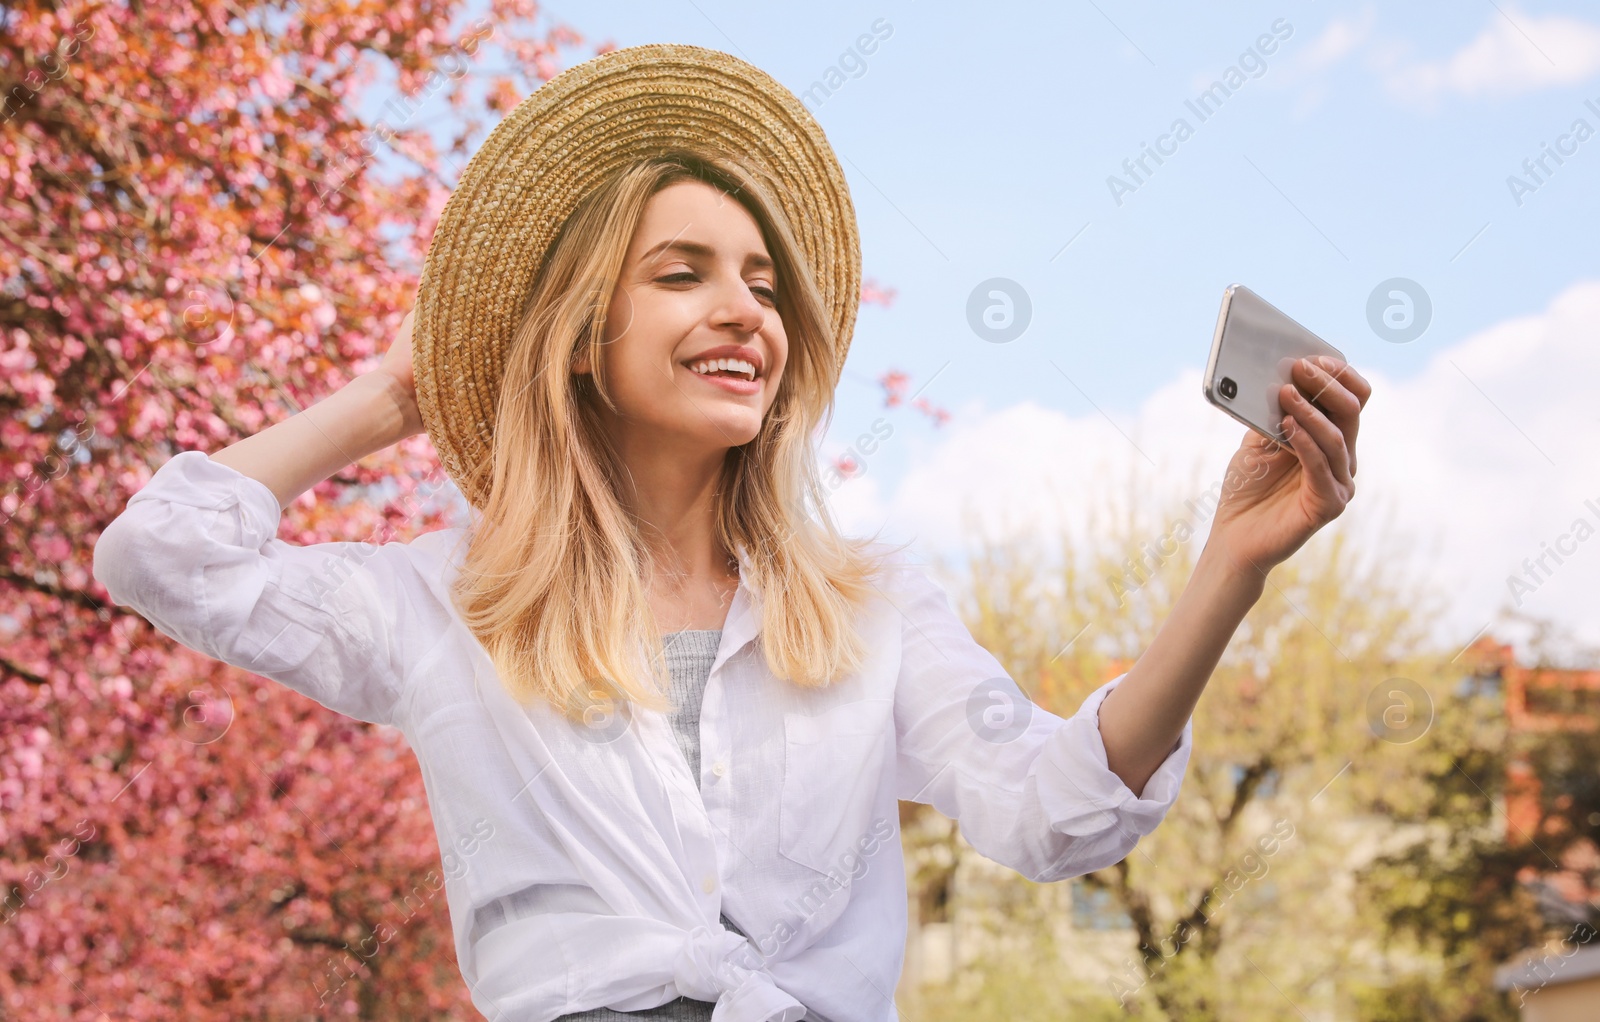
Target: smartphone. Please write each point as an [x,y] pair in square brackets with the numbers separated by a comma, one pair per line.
[1251,354]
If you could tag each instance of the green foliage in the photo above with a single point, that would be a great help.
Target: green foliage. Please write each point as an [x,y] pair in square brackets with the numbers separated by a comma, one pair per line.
[1425,997]
[1331,717]
[1004,989]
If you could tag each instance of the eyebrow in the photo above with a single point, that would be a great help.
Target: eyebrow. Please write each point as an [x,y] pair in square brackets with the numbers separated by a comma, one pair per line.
[695,248]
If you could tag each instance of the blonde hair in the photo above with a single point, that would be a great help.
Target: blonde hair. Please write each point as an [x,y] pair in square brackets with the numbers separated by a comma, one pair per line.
[552,583]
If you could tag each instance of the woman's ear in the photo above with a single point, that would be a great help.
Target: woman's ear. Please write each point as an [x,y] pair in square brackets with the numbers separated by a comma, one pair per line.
[580,364]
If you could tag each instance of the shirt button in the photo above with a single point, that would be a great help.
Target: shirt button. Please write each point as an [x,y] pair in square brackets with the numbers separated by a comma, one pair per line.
[719,768]
[709,884]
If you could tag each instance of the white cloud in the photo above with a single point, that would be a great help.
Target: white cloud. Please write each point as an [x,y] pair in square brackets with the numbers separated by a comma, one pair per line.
[1297,60]
[1337,41]
[1455,455]
[1514,53]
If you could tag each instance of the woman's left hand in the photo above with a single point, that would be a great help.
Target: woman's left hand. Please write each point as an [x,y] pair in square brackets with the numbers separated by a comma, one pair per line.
[1274,498]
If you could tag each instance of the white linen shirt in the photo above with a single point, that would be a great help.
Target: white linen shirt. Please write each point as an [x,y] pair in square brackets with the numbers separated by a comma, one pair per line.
[583,866]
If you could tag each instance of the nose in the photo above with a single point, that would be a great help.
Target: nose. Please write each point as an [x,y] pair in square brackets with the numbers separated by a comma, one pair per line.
[740,309]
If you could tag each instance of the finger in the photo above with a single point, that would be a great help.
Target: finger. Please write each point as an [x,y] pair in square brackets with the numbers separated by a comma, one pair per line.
[1358,386]
[1337,401]
[1352,380]
[1327,391]
[1312,461]
[1328,437]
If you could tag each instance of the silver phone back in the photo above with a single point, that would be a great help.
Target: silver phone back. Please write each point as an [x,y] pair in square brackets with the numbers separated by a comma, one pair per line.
[1251,354]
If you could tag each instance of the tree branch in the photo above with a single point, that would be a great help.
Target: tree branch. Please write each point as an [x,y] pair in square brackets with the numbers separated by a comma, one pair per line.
[12,667]
[72,596]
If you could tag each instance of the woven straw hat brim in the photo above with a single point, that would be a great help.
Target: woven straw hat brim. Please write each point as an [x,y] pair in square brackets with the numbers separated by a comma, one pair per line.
[550,152]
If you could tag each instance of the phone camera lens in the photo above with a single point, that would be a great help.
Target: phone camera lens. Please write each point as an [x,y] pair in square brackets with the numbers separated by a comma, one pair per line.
[1228,388]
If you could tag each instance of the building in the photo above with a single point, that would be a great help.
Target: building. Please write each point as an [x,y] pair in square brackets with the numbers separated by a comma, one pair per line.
[1560,983]
[1556,986]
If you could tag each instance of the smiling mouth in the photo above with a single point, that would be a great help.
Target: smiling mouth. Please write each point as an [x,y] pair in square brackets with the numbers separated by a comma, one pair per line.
[724,368]
[737,383]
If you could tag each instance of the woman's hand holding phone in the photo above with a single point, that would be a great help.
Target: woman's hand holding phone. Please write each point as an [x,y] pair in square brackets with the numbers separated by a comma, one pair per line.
[1275,495]
[1287,494]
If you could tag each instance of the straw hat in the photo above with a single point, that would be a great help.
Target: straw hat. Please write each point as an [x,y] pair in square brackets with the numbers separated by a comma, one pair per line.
[550,152]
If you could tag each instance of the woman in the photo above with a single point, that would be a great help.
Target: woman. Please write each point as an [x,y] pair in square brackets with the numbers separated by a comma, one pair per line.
[709,830]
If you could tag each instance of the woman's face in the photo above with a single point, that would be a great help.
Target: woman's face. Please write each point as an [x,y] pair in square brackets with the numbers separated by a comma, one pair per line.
[697,285]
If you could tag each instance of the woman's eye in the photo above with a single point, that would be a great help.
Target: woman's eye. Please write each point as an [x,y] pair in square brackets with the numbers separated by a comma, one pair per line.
[686,276]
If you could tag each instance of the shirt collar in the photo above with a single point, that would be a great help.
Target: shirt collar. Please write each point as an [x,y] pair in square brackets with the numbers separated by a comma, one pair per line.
[744,614]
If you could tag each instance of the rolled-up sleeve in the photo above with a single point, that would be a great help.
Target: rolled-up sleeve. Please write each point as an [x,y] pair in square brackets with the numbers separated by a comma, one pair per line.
[195,552]
[1029,789]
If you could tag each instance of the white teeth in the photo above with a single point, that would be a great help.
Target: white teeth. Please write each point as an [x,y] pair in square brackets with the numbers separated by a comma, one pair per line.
[737,365]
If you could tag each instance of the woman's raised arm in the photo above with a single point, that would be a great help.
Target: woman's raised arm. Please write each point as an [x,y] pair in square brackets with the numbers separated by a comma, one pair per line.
[369,413]
[195,551]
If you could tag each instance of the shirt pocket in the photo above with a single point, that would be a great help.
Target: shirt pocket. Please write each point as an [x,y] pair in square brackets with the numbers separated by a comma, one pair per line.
[833,765]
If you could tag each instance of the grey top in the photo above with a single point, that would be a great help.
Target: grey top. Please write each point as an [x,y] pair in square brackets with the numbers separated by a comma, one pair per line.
[690,654]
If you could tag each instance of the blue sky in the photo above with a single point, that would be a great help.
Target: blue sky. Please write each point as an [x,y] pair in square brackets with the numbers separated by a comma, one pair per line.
[1367,145]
